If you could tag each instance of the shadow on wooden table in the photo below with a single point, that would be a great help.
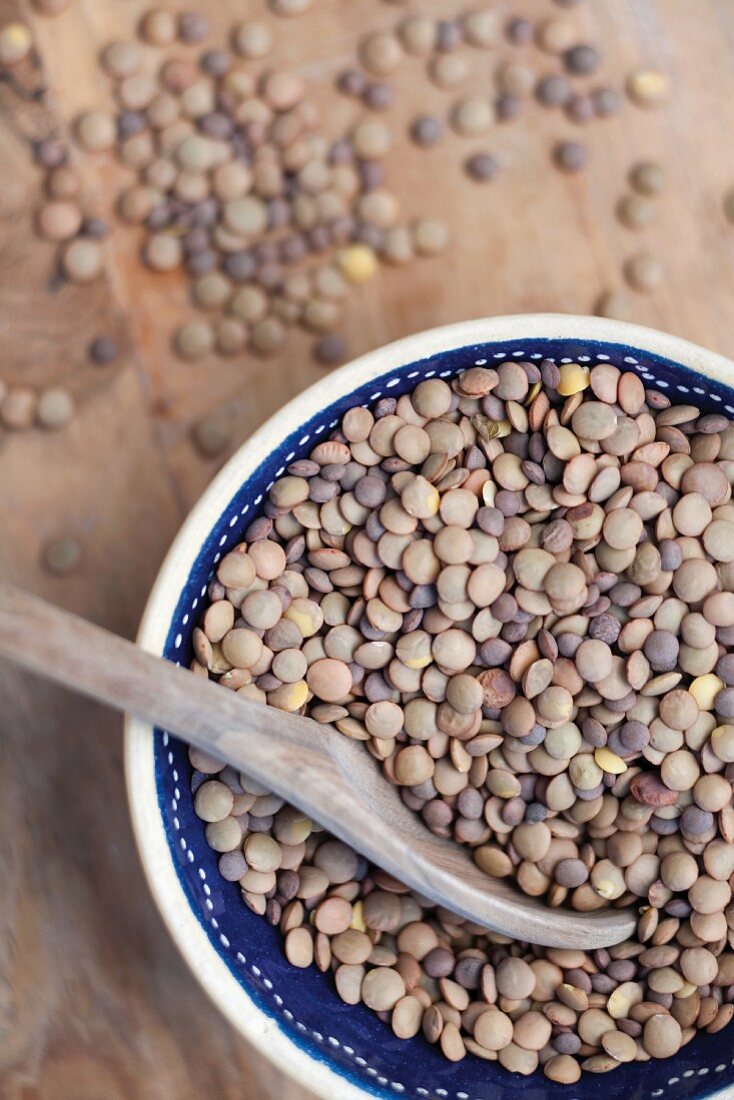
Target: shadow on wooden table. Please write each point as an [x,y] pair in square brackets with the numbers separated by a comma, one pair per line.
[95,1003]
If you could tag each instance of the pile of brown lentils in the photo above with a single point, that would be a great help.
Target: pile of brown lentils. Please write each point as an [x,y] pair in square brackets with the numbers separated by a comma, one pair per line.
[239,184]
[517,591]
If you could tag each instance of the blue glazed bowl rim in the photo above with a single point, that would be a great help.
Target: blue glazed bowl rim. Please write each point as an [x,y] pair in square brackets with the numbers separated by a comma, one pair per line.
[183,922]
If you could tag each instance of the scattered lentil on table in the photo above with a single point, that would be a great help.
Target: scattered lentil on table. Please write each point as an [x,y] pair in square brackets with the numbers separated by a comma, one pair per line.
[514,588]
[644,272]
[55,408]
[615,304]
[213,433]
[239,185]
[647,177]
[16,43]
[236,177]
[62,555]
[570,156]
[103,350]
[635,211]
[18,407]
[482,167]
[648,88]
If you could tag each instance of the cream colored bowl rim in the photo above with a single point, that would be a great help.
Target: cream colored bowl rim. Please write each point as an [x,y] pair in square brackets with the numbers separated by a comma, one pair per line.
[183,924]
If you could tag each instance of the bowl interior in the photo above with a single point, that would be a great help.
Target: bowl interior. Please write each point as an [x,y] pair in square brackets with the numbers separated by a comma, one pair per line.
[304,1004]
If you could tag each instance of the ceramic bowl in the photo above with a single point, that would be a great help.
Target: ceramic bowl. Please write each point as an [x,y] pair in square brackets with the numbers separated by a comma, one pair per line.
[295,1016]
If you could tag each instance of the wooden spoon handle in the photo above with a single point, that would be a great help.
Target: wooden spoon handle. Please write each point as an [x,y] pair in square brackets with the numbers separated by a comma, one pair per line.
[272,746]
[328,776]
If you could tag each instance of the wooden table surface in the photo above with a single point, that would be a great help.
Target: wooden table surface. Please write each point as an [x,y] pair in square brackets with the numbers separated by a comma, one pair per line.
[95,1003]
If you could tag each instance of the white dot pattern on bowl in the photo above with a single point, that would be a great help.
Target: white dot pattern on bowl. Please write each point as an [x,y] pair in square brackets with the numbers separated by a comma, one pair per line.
[276,999]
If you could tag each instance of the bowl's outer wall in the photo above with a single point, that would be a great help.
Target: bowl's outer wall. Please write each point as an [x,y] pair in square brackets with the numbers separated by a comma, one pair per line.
[303,1003]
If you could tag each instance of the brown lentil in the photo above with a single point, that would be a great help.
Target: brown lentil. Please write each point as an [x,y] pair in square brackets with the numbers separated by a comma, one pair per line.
[62,555]
[647,87]
[252,40]
[570,156]
[614,304]
[648,178]
[82,260]
[16,42]
[59,221]
[55,408]
[643,272]
[95,131]
[635,211]
[18,407]
[472,117]
[103,350]
[481,167]
[555,35]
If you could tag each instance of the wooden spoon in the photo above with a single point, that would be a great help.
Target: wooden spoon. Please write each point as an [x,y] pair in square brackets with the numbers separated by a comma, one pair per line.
[330,777]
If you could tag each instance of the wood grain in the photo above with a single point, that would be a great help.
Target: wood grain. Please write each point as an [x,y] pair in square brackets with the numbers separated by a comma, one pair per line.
[94,1001]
